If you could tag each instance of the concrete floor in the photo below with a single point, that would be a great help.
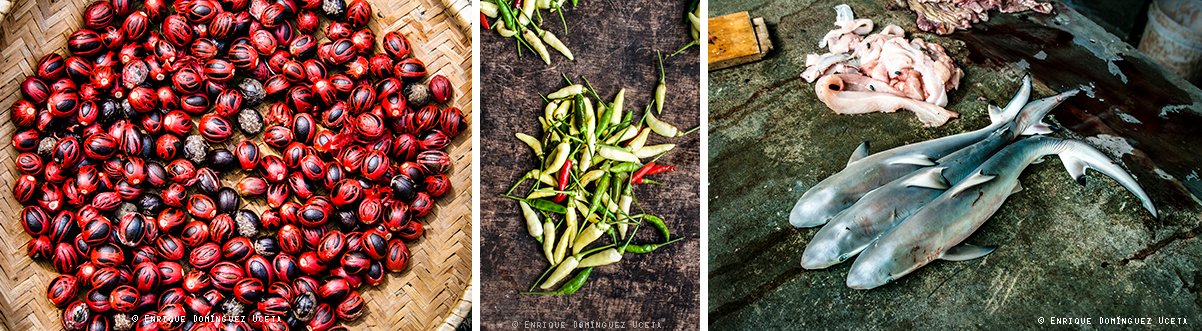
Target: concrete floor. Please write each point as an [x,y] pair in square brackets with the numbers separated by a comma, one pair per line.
[1066,250]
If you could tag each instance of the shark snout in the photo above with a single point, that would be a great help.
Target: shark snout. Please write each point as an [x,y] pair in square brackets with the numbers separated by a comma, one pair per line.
[813,209]
[819,256]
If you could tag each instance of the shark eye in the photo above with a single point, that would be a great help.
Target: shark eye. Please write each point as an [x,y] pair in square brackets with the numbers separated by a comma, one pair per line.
[842,258]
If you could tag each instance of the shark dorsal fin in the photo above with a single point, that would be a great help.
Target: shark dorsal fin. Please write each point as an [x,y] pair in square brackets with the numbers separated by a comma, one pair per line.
[931,178]
[913,159]
[860,152]
[966,252]
[972,181]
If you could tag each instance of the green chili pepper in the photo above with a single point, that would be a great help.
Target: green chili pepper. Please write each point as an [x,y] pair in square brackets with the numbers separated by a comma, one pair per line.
[547,206]
[647,248]
[602,187]
[624,167]
[506,14]
[658,223]
[571,286]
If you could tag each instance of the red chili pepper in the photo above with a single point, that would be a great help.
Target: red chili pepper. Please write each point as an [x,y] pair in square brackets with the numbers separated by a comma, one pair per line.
[517,4]
[563,180]
[659,169]
[484,22]
[637,177]
[650,169]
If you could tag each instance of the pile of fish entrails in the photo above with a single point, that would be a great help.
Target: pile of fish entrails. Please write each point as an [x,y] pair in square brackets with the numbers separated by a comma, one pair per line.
[881,72]
[903,208]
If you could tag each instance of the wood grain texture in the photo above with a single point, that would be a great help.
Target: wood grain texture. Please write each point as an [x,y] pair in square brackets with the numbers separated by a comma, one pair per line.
[735,39]
[433,293]
[615,44]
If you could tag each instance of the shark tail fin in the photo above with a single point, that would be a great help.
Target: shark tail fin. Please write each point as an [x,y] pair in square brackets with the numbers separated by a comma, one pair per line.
[1078,156]
[1016,103]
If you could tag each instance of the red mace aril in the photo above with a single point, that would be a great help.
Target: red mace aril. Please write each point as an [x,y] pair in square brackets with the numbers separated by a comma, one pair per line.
[195,233]
[169,248]
[222,228]
[243,56]
[422,204]
[248,290]
[451,121]
[196,281]
[435,162]
[51,67]
[215,128]
[30,164]
[202,207]
[76,316]
[252,186]
[62,290]
[440,88]
[310,264]
[174,195]
[62,104]
[84,42]
[35,90]
[340,52]
[396,45]
[409,68]
[123,299]
[131,229]
[205,256]
[375,243]
[225,275]
[248,154]
[24,113]
[24,188]
[168,146]
[171,219]
[107,255]
[411,232]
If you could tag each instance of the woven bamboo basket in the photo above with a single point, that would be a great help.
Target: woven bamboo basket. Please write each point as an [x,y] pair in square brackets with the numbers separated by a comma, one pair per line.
[434,293]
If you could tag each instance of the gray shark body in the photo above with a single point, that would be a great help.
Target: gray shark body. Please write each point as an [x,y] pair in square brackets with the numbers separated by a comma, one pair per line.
[937,230]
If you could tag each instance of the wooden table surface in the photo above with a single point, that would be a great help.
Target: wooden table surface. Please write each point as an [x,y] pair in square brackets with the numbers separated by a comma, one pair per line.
[614,43]
[1066,250]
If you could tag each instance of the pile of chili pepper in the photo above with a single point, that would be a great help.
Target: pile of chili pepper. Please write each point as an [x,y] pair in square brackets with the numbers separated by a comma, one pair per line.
[591,155]
[693,18]
[520,19]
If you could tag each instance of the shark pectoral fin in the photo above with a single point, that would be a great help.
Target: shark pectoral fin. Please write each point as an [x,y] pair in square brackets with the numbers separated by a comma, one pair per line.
[995,112]
[1038,128]
[971,181]
[918,160]
[859,153]
[1018,187]
[931,178]
[1075,167]
[966,252]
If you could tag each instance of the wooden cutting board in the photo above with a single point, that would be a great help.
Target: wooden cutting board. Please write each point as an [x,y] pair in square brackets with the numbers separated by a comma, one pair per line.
[736,39]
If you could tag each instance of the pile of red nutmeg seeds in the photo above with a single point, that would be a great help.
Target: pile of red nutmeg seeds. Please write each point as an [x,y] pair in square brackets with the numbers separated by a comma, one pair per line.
[126,146]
